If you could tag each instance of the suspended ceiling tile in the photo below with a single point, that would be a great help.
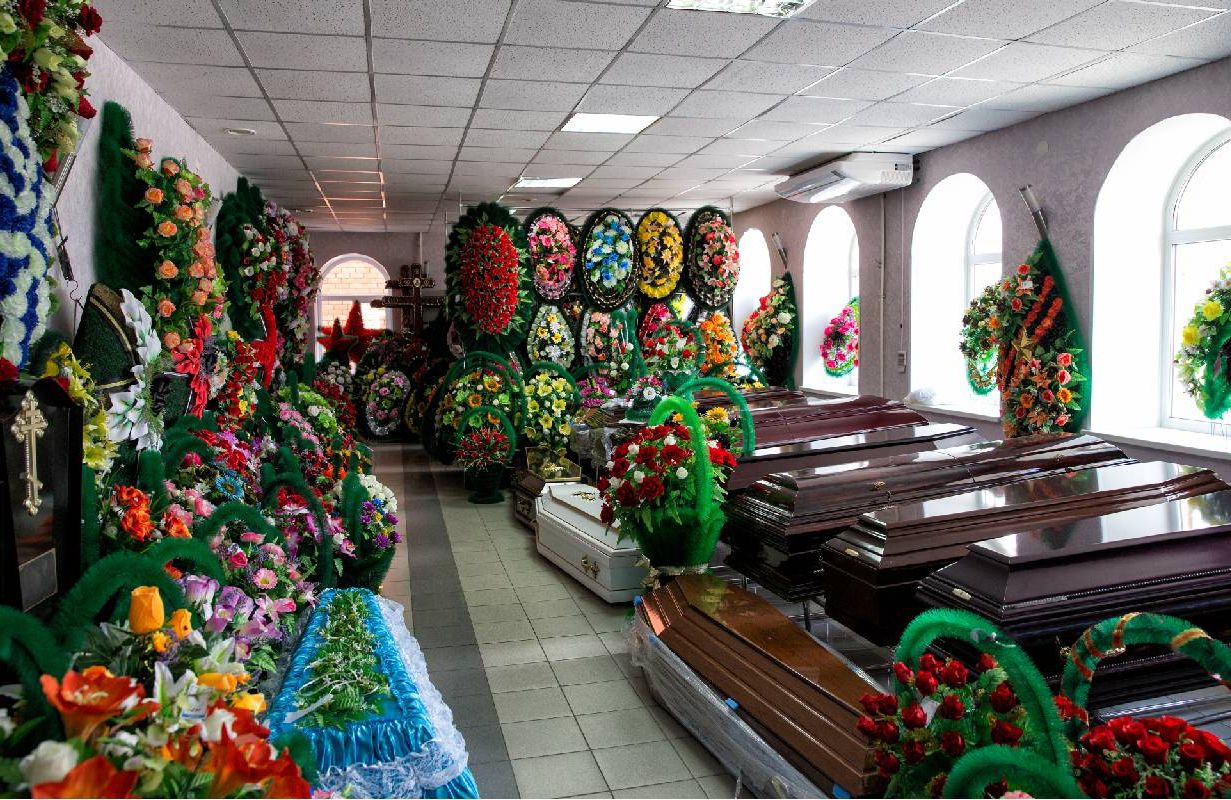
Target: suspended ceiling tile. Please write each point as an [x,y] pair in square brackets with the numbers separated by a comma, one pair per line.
[320,111]
[532,63]
[454,59]
[982,118]
[419,151]
[1005,19]
[1117,24]
[1042,97]
[637,159]
[455,20]
[901,115]
[351,150]
[1122,70]
[265,161]
[591,25]
[531,95]
[929,138]
[191,13]
[774,131]
[623,171]
[319,132]
[413,166]
[844,134]
[692,172]
[650,143]
[956,91]
[305,51]
[1209,39]
[422,116]
[1023,62]
[927,53]
[300,16]
[236,108]
[767,78]
[172,45]
[641,100]
[251,144]
[597,142]
[890,13]
[173,80]
[431,91]
[292,84]
[500,119]
[507,154]
[815,110]
[864,84]
[571,157]
[488,169]
[743,147]
[611,183]
[674,31]
[722,161]
[394,134]
[710,127]
[821,43]
[558,170]
[652,69]
[485,138]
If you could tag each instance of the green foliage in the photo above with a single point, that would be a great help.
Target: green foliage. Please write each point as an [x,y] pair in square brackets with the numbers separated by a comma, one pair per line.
[291,477]
[1031,772]
[152,479]
[346,683]
[204,561]
[29,647]
[226,514]
[42,349]
[91,543]
[300,748]
[120,260]
[244,206]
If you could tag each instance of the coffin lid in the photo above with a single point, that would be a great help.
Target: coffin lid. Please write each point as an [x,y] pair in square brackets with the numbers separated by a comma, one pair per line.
[582,506]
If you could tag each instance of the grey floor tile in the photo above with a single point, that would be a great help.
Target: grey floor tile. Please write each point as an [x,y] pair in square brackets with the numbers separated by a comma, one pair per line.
[594,698]
[532,704]
[603,623]
[543,737]
[668,723]
[451,636]
[546,609]
[595,795]
[491,597]
[520,677]
[475,709]
[503,654]
[494,632]
[470,569]
[618,728]
[561,648]
[459,682]
[440,618]
[513,612]
[558,775]
[524,580]
[595,669]
[432,601]
[615,641]
[489,580]
[484,743]
[440,659]
[640,765]
[698,760]
[495,779]
[718,787]
[676,789]
[484,556]
[537,594]
[561,626]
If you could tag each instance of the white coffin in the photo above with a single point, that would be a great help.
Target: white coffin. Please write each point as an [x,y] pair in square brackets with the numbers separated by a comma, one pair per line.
[570,534]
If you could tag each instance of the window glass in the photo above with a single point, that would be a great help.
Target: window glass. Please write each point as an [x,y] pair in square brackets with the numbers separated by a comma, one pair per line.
[1206,202]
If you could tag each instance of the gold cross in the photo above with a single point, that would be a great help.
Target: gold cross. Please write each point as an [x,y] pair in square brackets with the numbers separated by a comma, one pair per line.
[28,429]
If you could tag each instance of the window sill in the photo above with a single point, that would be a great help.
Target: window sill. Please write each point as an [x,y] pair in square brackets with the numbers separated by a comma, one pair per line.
[954,411]
[1205,445]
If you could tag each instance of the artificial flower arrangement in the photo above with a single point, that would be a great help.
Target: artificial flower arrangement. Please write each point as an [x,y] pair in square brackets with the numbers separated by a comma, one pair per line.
[552,252]
[652,321]
[551,337]
[378,514]
[609,268]
[485,452]
[1200,360]
[605,338]
[382,402]
[131,415]
[661,244]
[428,380]
[488,288]
[236,398]
[1152,757]
[595,390]
[663,488]
[263,272]
[712,262]
[672,351]
[338,399]
[482,448]
[43,42]
[482,381]
[720,346]
[300,434]
[335,372]
[98,449]
[25,281]
[840,343]
[303,280]
[550,404]
[1041,374]
[771,333]
[643,396]
[980,340]
[723,427]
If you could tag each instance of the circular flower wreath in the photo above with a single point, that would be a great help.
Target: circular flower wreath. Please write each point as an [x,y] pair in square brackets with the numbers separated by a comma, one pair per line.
[661,243]
[840,346]
[1202,359]
[553,252]
[488,295]
[609,259]
[383,401]
[551,400]
[721,348]
[303,281]
[26,250]
[980,342]
[551,337]
[770,333]
[712,263]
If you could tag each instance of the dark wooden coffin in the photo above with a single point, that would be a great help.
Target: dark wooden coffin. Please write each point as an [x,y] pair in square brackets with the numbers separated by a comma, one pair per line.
[776,526]
[797,693]
[872,568]
[1047,583]
[526,489]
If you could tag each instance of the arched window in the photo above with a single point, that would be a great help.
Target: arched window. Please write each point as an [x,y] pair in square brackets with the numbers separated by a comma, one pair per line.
[830,280]
[754,276]
[346,279]
[1162,232]
[957,242]
[1198,247]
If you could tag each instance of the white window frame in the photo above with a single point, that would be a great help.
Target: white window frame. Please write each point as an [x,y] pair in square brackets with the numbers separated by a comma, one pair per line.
[975,259]
[321,297]
[1174,237]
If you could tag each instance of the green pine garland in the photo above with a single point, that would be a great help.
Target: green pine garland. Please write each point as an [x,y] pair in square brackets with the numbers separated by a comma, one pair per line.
[120,261]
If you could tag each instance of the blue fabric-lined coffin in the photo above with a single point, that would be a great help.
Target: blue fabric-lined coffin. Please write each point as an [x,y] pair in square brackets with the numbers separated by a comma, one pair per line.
[412,749]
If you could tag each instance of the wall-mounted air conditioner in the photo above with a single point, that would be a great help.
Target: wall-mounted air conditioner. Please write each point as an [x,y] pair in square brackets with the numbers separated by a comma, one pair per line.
[850,177]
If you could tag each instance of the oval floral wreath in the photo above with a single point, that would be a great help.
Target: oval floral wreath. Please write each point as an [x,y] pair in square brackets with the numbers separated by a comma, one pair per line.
[721,348]
[980,342]
[770,333]
[1202,360]
[551,337]
[840,347]
[553,252]
[487,294]
[662,253]
[383,401]
[609,259]
[713,257]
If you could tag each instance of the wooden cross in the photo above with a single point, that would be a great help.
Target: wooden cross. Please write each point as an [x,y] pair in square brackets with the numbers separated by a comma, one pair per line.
[413,281]
[28,428]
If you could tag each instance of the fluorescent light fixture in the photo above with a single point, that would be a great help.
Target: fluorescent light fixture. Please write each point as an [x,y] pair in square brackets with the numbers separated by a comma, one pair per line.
[766,8]
[608,123]
[239,131]
[546,183]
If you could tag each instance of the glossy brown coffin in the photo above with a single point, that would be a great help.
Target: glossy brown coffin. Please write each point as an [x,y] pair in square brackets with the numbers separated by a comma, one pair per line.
[799,694]
[778,524]
[526,489]
[872,568]
[1046,584]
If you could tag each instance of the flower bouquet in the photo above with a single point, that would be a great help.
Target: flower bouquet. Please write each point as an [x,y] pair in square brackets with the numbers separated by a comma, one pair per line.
[605,342]
[551,400]
[771,333]
[661,244]
[595,391]
[643,396]
[712,262]
[609,266]
[980,340]
[652,321]
[382,403]
[663,485]
[494,385]
[303,280]
[672,352]
[1152,757]
[1201,361]
[488,292]
[840,344]
[720,345]
[552,252]
[484,453]
[551,337]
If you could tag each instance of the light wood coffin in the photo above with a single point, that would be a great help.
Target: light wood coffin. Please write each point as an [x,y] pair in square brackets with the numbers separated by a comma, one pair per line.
[801,697]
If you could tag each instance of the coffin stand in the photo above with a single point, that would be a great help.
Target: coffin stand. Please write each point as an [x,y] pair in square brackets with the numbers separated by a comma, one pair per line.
[571,535]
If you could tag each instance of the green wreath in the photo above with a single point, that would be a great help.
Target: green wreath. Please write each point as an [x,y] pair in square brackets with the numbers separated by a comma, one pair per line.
[980,341]
[487,283]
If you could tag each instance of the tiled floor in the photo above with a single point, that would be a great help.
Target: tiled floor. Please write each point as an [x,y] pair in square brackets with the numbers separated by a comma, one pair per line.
[532,664]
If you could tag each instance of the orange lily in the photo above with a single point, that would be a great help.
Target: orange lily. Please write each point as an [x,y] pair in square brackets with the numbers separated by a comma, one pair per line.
[87,699]
[94,777]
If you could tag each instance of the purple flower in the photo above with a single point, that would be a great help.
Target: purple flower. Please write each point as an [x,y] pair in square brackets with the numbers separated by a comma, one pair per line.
[199,591]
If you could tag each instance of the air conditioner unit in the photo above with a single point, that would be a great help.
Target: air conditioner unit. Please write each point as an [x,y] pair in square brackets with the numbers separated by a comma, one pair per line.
[850,177]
